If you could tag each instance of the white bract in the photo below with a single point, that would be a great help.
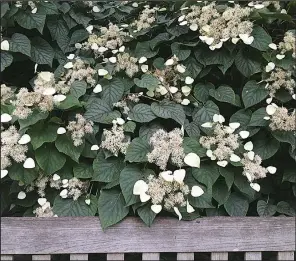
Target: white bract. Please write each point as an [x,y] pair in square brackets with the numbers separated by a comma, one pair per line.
[207,125]
[169,62]
[181,18]
[178,213]
[269,67]
[251,155]
[59,97]
[235,158]
[64,193]
[222,163]
[189,208]
[102,72]
[21,195]
[185,102]
[271,109]
[255,186]
[90,28]
[121,49]
[189,80]
[196,191]
[193,27]
[181,68]
[71,56]
[235,40]
[234,125]
[271,169]
[61,130]
[272,46]
[29,163]
[96,9]
[269,100]
[24,139]
[68,65]
[5,45]
[144,197]
[218,118]
[192,160]
[179,175]
[249,146]
[113,59]
[144,68]
[94,147]
[41,201]
[140,187]
[244,134]
[49,91]
[183,23]
[186,90]
[167,175]
[247,39]
[156,208]
[4,173]
[87,201]
[5,117]
[142,59]
[102,49]
[98,88]
[120,121]
[173,89]
[56,177]
[280,56]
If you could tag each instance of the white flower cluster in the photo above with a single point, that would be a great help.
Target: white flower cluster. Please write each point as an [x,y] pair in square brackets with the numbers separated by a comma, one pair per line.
[73,188]
[288,44]
[127,63]
[167,191]
[123,103]
[217,27]
[44,210]
[79,129]
[166,145]
[146,18]
[263,4]
[114,140]
[32,5]
[6,93]
[280,118]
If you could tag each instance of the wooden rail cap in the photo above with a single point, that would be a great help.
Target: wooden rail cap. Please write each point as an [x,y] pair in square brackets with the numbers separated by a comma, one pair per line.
[78,235]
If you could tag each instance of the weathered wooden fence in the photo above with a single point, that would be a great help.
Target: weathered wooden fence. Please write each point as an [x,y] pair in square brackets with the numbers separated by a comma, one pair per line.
[81,236]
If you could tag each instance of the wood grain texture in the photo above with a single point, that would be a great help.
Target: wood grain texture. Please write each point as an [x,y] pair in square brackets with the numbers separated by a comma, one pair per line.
[115,257]
[6,257]
[150,256]
[285,256]
[78,257]
[185,256]
[219,256]
[24,235]
[253,256]
[41,257]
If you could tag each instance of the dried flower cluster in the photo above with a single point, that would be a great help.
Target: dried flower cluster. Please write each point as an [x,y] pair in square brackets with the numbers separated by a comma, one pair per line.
[166,145]
[123,104]
[252,168]
[146,18]
[283,120]
[73,188]
[79,129]
[127,63]
[6,93]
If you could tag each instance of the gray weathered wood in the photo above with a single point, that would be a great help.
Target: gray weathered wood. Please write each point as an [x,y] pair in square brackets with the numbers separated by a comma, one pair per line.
[79,257]
[219,256]
[253,256]
[115,256]
[150,256]
[6,257]
[85,235]
[185,256]
[286,255]
[41,257]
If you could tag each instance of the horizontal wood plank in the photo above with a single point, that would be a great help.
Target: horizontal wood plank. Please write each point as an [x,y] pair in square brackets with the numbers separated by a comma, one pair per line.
[78,235]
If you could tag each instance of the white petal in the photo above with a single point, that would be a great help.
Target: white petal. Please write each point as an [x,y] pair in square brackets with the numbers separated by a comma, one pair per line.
[4,173]
[280,56]
[78,45]
[206,28]
[207,125]
[294,96]
[219,45]
[192,160]
[203,38]
[65,181]
[181,68]
[183,23]
[209,40]
[5,45]
[266,118]
[189,208]
[269,100]
[272,46]
[68,65]
[179,175]
[212,47]
[49,91]
[186,90]
[246,38]
[142,59]
[102,72]
[29,163]
[121,49]
[46,76]
[98,88]
[249,146]
[229,130]
[178,213]
[140,187]
[251,155]
[64,193]
[234,125]
[185,102]
[181,18]
[113,59]
[61,130]
[96,9]
[71,56]
[244,134]
[270,109]
[41,201]
[224,39]
[222,163]
[102,49]
[259,6]
[35,67]
[251,4]
[144,197]
[167,175]
[271,169]
[156,208]
[56,177]
[94,147]
[21,195]
[169,62]
[269,67]
[255,186]
[120,121]
[24,139]
[114,51]
[34,10]
[59,97]
[235,158]
[283,11]
[5,117]
[189,80]
[196,191]
[209,153]
[144,68]
[87,201]
[248,176]
[173,89]
[89,28]
[193,27]
[235,40]
[221,119]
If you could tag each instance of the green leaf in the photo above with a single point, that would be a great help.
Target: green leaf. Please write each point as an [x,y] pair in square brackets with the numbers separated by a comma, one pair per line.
[112,207]
[75,208]
[20,43]
[130,126]
[68,103]
[137,151]
[107,170]
[177,30]
[42,133]
[223,94]
[64,144]
[160,38]
[266,147]
[47,8]
[146,214]
[100,111]
[83,171]
[181,52]
[78,88]
[290,176]
[57,28]
[128,177]
[147,81]
[80,18]
[253,93]
[6,60]
[192,129]
[192,67]
[30,21]
[204,201]
[236,205]
[142,113]
[19,173]
[78,36]
[261,39]
[143,49]
[228,176]
[192,145]
[220,192]
[41,51]
[49,158]
[32,119]
[285,208]
[113,91]
[265,209]
[248,62]
[243,185]
[167,109]
[285,136]
[243,117]
[207,174]
[205,113]
[257,119]
[4,8]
